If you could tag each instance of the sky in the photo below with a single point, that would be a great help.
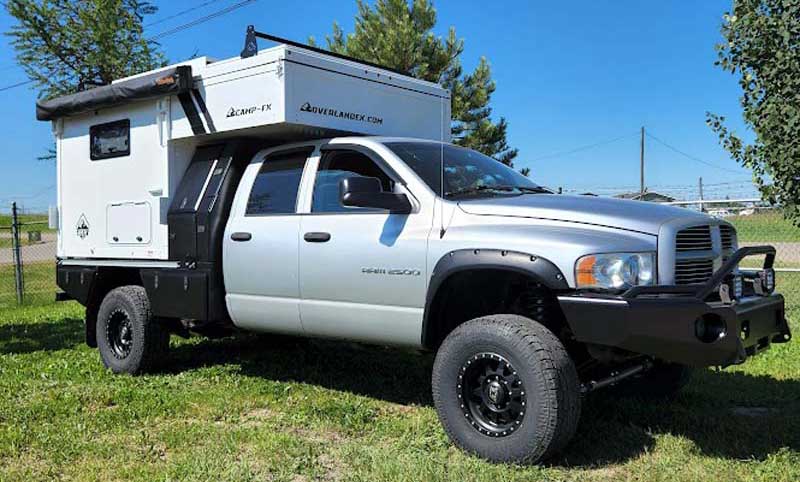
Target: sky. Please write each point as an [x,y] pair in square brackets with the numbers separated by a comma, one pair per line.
[575,80]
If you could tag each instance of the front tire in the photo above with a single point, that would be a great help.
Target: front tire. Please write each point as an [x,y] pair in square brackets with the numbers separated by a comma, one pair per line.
[505,389]
[129,338]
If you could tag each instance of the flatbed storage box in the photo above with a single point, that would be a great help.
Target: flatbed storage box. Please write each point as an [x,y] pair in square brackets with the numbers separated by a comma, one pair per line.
[120,160]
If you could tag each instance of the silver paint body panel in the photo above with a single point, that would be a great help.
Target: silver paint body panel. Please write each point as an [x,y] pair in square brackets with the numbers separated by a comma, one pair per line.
[336,289]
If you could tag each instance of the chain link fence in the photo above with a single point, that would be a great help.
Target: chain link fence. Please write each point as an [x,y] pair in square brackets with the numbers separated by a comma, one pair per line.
[27,259]
[767,226]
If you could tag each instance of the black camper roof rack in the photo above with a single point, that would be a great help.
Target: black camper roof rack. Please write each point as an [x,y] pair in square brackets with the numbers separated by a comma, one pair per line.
[251,49]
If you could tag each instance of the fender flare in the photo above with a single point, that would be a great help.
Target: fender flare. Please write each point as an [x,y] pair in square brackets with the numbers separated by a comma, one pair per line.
[535,266]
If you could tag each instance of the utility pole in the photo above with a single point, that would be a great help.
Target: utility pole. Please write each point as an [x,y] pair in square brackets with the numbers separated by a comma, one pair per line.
[700,185]
[641,165]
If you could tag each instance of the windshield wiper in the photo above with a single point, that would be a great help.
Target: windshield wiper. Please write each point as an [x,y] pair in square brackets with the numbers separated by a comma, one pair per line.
[467,191]
[534,189]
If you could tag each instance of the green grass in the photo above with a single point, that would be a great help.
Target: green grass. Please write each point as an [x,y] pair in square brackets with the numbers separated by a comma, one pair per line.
[40,284]
[5,219]
[765,227]
[29,222]
[237,409]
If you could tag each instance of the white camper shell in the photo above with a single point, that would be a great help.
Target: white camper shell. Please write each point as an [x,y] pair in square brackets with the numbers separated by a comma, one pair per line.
[120,160]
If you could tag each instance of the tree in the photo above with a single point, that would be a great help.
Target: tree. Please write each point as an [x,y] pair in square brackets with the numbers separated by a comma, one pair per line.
[762,47]
[67,46]
[397,34]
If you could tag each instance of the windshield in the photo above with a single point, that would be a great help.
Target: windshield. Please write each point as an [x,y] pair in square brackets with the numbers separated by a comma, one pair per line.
[466,172]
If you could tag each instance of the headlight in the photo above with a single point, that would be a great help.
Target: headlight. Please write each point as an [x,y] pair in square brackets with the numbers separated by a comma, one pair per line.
[615,270]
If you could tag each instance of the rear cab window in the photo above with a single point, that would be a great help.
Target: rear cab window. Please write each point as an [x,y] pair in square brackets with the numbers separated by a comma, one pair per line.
[277,183]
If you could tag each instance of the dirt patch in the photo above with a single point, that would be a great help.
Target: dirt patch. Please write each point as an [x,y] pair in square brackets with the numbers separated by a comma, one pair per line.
[334,469]
[322,436]
[397,409]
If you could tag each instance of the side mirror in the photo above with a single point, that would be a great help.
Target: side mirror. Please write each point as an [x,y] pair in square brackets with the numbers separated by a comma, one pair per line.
[366,192]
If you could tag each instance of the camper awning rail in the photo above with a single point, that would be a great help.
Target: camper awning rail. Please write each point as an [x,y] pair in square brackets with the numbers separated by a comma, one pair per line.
[176,80]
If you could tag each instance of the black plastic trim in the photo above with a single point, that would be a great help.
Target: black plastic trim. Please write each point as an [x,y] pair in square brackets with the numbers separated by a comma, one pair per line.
[537,267]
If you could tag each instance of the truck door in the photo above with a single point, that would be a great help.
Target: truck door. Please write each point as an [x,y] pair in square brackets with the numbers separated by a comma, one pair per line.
[260,247]
[362,271]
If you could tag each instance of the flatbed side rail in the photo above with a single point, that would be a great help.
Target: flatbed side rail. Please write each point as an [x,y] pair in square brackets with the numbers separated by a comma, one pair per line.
[702,290]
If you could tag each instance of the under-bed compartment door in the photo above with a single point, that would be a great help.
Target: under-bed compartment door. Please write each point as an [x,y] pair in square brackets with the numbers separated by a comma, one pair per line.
[177,293]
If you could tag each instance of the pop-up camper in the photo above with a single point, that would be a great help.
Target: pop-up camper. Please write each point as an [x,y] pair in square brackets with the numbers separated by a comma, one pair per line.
[123,149]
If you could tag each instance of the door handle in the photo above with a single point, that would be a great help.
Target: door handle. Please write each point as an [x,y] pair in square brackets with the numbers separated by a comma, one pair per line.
[241,236]
[317,237]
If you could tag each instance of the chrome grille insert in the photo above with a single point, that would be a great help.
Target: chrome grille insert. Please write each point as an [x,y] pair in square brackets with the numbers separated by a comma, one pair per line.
[695,238]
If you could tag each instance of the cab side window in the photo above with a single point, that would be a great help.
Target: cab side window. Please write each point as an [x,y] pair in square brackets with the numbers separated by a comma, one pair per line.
[336,166]
[276,185]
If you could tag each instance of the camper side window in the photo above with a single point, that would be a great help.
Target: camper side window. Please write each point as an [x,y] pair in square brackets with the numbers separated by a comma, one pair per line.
[276,185]
[112,139]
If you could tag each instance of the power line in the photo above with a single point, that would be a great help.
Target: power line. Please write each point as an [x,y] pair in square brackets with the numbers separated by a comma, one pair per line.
[171,31]
[18,84]
[689,156]
[179,14]
[583,148]
[201,20]
[147,25]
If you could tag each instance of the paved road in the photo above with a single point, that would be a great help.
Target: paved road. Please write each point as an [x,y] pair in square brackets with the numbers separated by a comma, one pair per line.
[787,253]
[35,253]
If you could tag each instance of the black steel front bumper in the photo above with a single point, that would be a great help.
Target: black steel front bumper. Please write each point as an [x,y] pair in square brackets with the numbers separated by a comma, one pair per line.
[661,321]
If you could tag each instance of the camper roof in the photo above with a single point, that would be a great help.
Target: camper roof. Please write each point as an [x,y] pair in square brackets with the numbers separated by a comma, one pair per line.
[179,79]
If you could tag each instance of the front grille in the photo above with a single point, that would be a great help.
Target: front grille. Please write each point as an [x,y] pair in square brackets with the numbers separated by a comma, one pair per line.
[692,271]
[727,234]
[696,238]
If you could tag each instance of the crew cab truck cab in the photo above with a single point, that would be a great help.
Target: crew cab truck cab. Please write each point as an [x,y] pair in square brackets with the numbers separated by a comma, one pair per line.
[390,235]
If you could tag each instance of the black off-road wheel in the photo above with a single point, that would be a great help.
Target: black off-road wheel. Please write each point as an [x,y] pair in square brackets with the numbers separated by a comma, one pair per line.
[129,338]
[505,389]
[664,380]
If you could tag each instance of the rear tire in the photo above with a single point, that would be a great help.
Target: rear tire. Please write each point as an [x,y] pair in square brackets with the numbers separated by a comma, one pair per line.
[528,406]
[129,338]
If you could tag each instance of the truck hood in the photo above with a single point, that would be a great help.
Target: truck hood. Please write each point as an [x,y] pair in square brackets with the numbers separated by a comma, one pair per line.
[639,216]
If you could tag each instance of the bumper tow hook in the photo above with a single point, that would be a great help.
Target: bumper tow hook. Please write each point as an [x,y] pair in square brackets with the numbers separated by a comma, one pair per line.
[615,377]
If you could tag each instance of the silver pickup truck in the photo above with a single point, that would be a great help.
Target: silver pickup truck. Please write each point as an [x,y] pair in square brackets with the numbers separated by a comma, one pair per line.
[529,299]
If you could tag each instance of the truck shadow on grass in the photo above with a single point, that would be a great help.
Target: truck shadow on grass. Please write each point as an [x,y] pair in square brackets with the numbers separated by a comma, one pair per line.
[45,336]
[728,415]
